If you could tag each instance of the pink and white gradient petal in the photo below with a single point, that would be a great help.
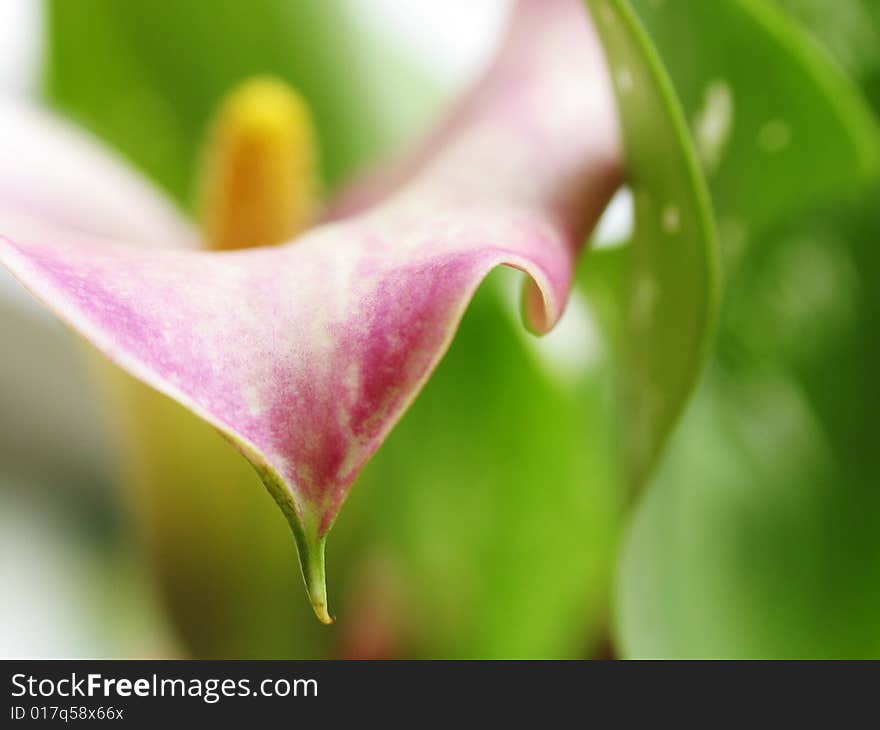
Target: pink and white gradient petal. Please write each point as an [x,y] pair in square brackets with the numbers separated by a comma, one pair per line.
[305,355]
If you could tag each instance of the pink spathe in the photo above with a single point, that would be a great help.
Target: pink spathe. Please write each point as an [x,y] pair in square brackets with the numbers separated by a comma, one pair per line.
[306,354]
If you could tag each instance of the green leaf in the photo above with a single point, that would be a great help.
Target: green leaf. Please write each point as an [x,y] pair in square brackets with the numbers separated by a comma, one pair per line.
[671,286]
[758,537]
[778,126]
[850,31]
[146,77]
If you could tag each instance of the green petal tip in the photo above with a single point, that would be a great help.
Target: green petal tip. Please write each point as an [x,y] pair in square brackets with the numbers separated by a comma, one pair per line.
[312,563]
[309,544]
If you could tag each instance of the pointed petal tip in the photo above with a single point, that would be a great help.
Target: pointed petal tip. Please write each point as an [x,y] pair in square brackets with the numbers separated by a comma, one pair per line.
[311,555]
[317,588]
[321,612]
[307,536]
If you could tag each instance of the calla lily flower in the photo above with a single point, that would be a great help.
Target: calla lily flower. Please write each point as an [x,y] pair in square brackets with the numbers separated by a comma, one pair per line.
[305,354]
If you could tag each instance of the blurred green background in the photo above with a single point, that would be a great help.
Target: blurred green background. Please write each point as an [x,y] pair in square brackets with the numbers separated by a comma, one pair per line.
[504,516]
